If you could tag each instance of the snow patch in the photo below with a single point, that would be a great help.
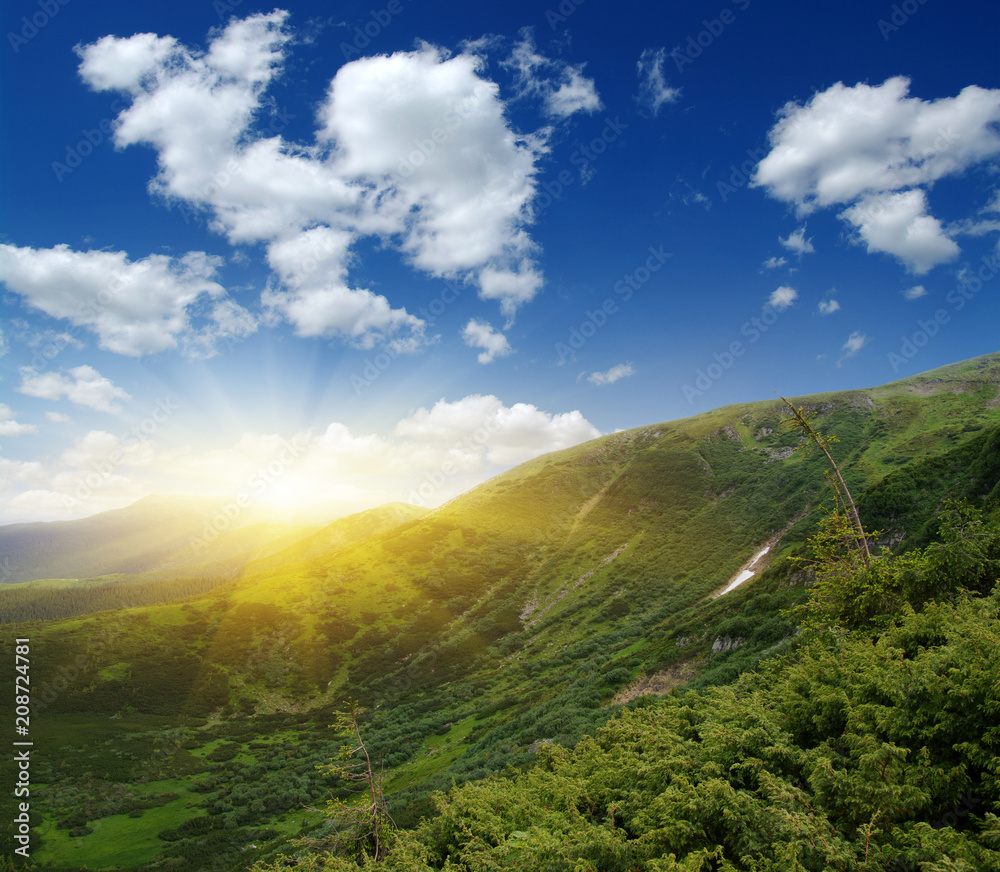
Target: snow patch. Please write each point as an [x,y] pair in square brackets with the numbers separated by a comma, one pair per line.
[746,573]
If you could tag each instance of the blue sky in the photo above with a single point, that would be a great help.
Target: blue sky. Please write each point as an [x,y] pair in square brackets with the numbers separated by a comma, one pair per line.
[357,252]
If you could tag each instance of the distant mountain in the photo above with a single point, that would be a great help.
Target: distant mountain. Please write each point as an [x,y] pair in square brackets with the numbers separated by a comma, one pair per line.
[155,533]
[208,561]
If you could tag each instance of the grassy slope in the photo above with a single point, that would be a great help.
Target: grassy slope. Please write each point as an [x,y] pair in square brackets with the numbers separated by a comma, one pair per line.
[515,612]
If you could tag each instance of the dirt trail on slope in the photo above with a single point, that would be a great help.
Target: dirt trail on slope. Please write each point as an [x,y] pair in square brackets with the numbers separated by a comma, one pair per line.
[586,508]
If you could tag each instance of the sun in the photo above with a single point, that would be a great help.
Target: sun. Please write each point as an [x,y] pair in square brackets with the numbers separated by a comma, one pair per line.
[294,490]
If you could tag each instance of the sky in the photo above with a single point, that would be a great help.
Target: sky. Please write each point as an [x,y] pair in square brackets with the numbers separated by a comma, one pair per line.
[341,254]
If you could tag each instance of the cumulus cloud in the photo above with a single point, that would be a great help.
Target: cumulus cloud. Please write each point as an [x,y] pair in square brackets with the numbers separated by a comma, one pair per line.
[828,307]
[504,435]
[510,287]
[898,224]
[774,262]
[915,293]
[619,371]
[855,342]
[562,87]
[10,427]
[413,148]
[98,448]
[429,456]
[134,307]
[877,148]
[848,141]
[84,386]
[797,242]
[479,334]
[57,417]
[782,298]
[654,92]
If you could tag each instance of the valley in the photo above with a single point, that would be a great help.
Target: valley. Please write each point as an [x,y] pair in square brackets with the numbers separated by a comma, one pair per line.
[181,697]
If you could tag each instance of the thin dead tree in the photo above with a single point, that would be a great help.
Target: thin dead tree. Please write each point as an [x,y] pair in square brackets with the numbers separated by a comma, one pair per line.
[362,824]
[801,421]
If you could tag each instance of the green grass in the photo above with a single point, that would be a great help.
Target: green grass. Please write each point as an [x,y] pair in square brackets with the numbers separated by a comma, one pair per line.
[119,840]
[436,754]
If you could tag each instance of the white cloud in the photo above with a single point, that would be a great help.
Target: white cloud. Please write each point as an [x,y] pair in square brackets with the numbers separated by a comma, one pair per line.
[849,141]
[509,287]
[877,148]
[654,92]
[619,371]
[782,298]
[134,307]
[574,94]
[87,387]
[57,417]
[562,87]
[479,334]
[10,427]
[413,148]
[898,224]
[99,448]
[27,473]
[797,242]
[505,435]
[828,307]
[3,344]
[430,456]
[855,342]
[774,262]
[915,293]
[449,177]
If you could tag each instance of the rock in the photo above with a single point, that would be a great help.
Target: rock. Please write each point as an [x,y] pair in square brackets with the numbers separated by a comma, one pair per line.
[726,643]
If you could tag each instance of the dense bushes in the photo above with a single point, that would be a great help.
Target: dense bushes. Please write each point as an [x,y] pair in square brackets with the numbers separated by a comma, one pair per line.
[870,749]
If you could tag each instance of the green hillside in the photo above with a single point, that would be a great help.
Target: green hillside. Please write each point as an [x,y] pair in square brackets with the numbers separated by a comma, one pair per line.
[520,614]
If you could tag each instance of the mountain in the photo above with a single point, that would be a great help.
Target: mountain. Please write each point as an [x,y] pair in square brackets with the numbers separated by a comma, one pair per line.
[207,561]
[342,532]
[518,614]
[154,533]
